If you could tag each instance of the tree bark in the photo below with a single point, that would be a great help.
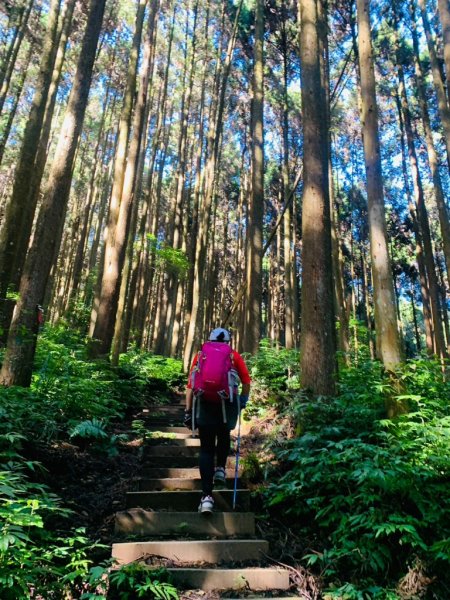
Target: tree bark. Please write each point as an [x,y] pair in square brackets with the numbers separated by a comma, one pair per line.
[17,95]
[340,304]
[317,315]
[9,62]
[253,300]
[289,263]
[62,35]
[16,231]
[214,139]
[387,336]
[92,197]
[444,14]
[444,219]
[131,174]
[118,210]
[422,216]
[18,360]
[429,336]
[415,322]
[180,194]
[189,292]
[443,106]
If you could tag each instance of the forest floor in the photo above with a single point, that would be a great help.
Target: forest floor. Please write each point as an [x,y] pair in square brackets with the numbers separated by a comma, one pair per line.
[90,484]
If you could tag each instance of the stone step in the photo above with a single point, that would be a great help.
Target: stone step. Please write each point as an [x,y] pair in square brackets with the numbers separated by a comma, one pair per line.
[166,408]
[211,552]
[256,579]
[180,483]
[187,500]
[157,434]
[175,443]
[139,522]
[168,414]
[182,461]
[171,450]
[170,430]
[158,422]
[180,473]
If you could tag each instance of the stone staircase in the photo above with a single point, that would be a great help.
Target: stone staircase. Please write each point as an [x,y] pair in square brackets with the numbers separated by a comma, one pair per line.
[161,522]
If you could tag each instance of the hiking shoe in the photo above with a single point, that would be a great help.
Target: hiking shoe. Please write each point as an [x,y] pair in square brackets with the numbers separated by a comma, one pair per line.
[219,477]
[206,504]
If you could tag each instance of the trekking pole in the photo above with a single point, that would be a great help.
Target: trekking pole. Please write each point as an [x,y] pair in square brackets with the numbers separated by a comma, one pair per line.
[194,401]
[238,444]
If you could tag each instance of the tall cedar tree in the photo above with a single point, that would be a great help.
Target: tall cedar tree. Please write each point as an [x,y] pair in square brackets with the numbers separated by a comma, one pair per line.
[317,314]
[16,228]
[253,300]
[18,360]
[387,336]
[129,198]
[118,221]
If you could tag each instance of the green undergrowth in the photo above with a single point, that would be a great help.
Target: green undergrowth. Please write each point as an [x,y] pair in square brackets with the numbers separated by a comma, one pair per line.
[77,401]
[366,498]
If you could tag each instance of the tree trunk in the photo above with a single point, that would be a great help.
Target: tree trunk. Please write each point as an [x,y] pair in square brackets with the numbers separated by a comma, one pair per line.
[289,263]
[443,106]
[429,336]
[6,130]
[443,302]
[317,315]
[136,240]
[253,300]
[62,35]
[387,336]
[415,323]
[444,219]
[199,179]
[118,210]
[18,360]
[128,196]
[444,14]
[181,175]
[9,62]
[153,198]
[16,231]
[422,217]
[92,196]
[340,307]
[365,273]
[214,139]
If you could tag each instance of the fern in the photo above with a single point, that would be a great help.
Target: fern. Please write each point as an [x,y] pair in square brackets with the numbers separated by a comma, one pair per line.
[91,429]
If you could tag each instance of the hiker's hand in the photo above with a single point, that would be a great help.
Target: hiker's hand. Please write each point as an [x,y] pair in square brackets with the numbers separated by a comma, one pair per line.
[243,401]
[188,418]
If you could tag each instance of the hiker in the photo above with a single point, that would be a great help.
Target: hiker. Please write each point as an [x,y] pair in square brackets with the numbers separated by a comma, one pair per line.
[212,402]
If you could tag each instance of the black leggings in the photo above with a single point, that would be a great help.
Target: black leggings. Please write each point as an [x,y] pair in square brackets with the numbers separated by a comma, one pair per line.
[214,442]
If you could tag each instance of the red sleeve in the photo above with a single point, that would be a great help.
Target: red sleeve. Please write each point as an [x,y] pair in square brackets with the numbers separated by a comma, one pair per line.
[241,368]
[194,362]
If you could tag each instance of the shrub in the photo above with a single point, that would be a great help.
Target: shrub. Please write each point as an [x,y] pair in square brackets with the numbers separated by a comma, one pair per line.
[373,493]
[276,369]
[33,557]
[156,373]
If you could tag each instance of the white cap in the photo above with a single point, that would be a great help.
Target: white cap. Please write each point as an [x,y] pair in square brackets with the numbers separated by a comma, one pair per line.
[221,333]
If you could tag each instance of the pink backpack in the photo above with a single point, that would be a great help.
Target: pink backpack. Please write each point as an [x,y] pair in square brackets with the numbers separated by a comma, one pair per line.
[211,378]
